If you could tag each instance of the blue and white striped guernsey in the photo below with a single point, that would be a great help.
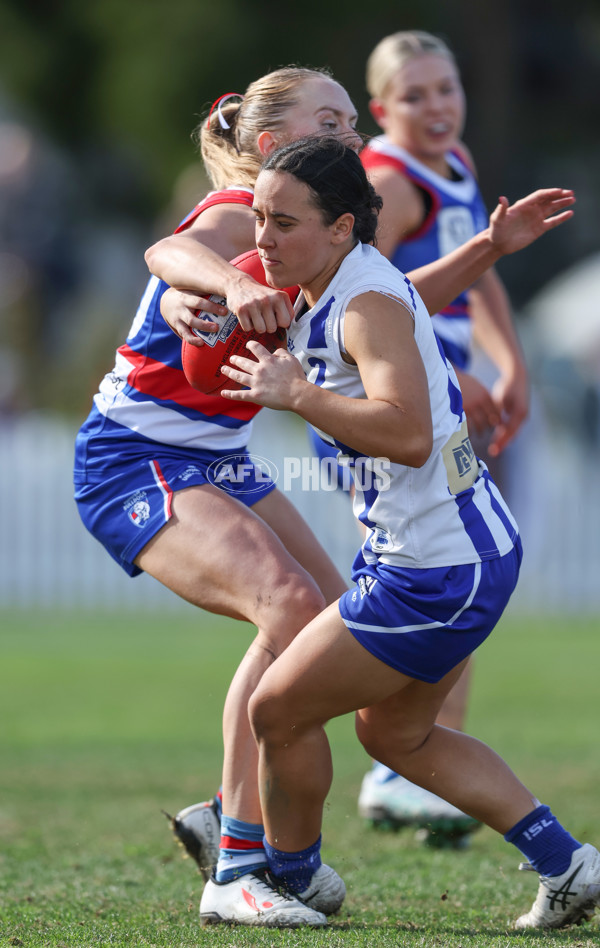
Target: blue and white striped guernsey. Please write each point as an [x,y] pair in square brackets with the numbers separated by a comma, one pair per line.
[449,511]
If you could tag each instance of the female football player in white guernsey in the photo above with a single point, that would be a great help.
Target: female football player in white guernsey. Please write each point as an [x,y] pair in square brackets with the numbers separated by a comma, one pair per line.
[442,552]
[194,552]
[431,204]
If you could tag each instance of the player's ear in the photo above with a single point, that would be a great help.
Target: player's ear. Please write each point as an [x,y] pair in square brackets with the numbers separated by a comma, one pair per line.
[267,143]
[342,228]
[378,111]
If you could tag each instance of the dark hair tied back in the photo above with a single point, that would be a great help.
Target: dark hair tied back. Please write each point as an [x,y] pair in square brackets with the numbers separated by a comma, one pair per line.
[335,175]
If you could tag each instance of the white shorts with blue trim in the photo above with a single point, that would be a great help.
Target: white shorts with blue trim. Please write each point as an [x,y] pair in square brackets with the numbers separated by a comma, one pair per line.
[424,622]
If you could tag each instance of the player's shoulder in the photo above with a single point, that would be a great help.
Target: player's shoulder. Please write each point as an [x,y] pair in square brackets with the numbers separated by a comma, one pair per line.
[222,211]
[230,197]
[388,171]
[464,156]
[392,180]
[402,211]
[368,268]
[380,153]
[227,228]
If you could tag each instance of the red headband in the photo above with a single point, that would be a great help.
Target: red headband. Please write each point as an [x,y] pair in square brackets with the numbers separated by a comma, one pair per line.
[217,105]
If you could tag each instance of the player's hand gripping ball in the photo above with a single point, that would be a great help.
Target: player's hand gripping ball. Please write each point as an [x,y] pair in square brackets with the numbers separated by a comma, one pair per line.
[202,365]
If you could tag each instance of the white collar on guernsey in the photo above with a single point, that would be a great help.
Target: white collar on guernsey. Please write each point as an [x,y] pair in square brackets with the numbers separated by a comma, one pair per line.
[230,187]
[463,190]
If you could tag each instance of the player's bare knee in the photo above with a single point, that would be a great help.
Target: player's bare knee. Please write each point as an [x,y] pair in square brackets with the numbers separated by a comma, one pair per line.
[378,741]
[288,607]
[268,714]
[301,600]
[373,732]
[371,739]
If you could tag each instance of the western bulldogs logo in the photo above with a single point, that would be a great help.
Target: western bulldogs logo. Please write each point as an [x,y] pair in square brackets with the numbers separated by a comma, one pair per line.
[140,513]
[137,508]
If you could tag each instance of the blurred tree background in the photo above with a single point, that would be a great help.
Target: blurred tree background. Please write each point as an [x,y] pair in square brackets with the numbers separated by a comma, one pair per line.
[98,99]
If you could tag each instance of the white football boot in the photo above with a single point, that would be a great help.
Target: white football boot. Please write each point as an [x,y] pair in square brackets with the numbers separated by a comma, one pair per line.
[255,899]
[569,898]
[198,829]
[326,891]
[387,799]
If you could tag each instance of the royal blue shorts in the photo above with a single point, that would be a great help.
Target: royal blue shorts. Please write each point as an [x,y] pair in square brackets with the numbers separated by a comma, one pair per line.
[128,502]
[424,622]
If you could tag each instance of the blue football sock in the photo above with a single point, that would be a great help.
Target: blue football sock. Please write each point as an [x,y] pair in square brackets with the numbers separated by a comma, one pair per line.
[241,849]
[543,842]
[294,869]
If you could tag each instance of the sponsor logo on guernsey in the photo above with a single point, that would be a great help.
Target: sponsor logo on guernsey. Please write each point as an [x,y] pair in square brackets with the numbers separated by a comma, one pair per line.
[464,456]
[460,459]
[137,508]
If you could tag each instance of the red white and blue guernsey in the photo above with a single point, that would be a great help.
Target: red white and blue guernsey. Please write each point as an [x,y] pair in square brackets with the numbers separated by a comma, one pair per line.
[150,433]
[439,538]
[454,212]
[147,393]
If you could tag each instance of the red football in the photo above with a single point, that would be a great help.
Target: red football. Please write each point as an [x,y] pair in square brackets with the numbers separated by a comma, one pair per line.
[202,365]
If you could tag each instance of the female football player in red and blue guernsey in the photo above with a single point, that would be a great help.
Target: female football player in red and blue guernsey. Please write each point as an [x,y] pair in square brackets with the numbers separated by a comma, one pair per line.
[144,490]
[432,204]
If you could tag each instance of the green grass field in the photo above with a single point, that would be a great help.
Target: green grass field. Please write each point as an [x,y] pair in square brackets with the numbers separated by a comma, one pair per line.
[106,719]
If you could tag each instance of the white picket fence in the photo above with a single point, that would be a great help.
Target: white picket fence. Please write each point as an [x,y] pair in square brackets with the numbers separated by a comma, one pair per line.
[47,558]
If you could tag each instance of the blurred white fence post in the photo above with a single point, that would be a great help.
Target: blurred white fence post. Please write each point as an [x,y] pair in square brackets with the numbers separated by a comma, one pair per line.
[47,558]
